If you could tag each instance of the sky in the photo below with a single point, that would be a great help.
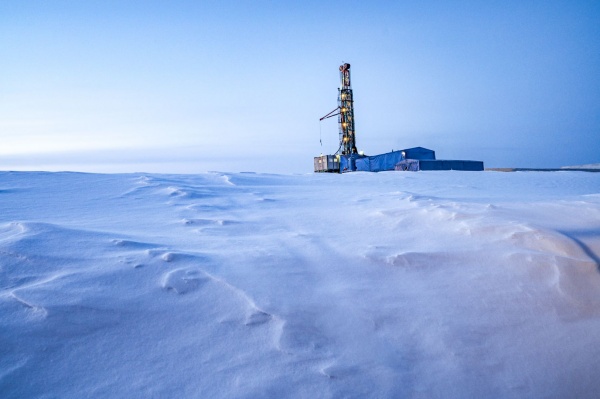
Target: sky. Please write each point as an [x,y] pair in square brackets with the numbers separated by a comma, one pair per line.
[193,86]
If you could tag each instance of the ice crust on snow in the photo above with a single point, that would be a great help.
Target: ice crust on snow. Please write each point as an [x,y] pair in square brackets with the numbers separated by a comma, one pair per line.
[437,285]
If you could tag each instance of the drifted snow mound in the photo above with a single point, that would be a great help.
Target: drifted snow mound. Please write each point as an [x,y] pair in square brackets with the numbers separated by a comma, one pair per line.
[425,285]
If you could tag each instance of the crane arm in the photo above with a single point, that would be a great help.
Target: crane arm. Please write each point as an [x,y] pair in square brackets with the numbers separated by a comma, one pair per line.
[329,115]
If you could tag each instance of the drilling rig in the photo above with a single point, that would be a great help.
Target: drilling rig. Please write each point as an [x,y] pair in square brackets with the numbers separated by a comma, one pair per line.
[345,113]
[346,158]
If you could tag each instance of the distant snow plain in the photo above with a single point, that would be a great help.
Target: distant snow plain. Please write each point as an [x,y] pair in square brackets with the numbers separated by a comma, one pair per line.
[241,285]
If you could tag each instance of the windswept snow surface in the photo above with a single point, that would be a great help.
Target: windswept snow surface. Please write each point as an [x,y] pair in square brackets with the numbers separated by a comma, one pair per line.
[399,285]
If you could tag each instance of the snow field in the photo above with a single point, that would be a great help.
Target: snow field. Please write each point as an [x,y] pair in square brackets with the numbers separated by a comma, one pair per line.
[437,284]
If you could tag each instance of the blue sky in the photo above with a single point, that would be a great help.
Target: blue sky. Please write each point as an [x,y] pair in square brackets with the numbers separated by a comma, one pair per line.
[190,86]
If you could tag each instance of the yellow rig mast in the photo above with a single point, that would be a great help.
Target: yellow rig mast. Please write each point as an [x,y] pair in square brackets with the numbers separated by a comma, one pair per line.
[346,117]
[345,114]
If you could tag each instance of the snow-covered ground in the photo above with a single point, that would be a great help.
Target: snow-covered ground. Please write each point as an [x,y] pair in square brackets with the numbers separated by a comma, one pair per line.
[388,285]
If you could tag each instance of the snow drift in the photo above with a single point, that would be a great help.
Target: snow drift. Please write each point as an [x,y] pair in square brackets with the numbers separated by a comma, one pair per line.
[239,285]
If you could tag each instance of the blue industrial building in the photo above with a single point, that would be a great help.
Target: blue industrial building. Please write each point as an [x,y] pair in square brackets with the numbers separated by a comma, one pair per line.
[410,159]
